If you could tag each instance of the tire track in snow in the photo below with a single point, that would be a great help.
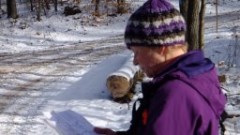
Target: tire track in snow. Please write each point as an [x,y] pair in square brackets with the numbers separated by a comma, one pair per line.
[22,97]
[227,20]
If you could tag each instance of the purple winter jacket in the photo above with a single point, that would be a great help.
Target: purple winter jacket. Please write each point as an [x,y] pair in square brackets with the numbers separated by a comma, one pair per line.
[185,99]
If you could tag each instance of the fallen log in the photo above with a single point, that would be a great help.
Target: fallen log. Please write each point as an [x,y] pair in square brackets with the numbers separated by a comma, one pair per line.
[121,83]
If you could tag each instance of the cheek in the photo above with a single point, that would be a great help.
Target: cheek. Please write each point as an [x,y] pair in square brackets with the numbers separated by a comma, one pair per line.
[152,63]
[146,62]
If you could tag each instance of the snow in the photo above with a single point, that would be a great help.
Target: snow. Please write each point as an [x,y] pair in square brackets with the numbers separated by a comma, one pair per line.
[62,63]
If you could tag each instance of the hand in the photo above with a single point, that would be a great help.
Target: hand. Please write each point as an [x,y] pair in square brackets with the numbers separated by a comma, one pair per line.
[104,131]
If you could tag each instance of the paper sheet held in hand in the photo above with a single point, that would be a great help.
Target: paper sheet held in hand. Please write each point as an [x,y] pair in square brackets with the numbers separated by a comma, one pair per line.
[69,122]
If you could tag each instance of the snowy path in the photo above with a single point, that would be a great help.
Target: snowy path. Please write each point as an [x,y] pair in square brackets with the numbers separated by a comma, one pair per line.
[28,79]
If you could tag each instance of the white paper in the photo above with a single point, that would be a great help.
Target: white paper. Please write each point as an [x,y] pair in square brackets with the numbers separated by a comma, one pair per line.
[69,123]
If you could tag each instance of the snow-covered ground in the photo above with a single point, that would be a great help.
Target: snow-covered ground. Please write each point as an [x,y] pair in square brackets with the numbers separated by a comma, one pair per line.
[62,63]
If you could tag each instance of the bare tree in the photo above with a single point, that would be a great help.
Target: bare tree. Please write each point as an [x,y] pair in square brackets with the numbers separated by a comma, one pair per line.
[55,5]
[216,15]
[121,6]
[12,9]
[183,4]
[31,2]
[46,3]
[0,8]
[194,15]
[193,24]
[39,10]
[97,3]
[201,24]
[60,2]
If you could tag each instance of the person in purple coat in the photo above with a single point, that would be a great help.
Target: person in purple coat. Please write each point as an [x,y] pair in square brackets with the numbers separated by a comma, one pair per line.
[184,96]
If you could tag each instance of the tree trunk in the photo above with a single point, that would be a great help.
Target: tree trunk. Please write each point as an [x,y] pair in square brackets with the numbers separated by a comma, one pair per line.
[55,5]
[201,24]
[183,4]
[47,4]
[43,6]
[60,2]
[120,6]
[31,2]
[97,2]
[12,9]
[193,25]
[0,8]
[216,16]
[39,10]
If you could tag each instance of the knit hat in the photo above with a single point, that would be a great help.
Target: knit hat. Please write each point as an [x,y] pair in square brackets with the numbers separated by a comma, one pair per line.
[156,23]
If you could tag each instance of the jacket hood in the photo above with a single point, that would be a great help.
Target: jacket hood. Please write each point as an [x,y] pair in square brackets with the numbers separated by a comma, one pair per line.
[192,63]
[198,72]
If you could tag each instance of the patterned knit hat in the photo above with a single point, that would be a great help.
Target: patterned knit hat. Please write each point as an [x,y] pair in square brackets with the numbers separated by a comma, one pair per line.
[156,23]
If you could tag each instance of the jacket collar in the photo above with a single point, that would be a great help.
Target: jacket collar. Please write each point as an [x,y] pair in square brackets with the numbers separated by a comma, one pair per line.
[191,64]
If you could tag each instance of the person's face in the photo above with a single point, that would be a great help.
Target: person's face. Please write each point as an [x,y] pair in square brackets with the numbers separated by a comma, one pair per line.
[149,59]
